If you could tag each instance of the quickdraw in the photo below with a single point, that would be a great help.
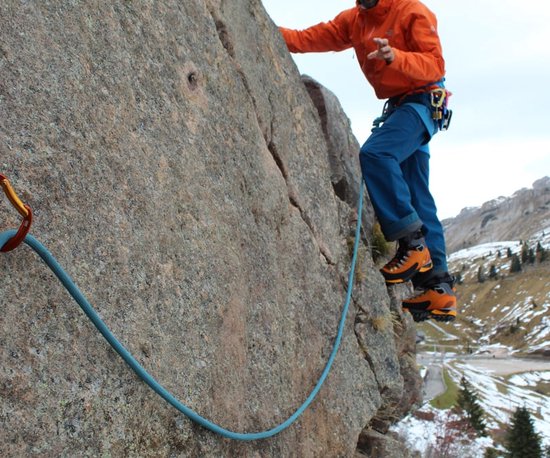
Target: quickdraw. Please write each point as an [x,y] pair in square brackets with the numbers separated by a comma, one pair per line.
[24,210]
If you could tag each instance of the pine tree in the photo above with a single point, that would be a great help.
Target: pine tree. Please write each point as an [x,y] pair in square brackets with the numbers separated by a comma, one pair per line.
[469,403]
[493,272]
[531,256]
[491,453]
[524,253]
[521,439]
[508,252]
[516,264]
[480,275]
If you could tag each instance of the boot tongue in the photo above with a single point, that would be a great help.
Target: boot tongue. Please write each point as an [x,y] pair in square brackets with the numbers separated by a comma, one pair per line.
[425,279]
[429,279]
[413,239]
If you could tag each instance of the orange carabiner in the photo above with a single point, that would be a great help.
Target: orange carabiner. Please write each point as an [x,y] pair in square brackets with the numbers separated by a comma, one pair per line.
[24,210]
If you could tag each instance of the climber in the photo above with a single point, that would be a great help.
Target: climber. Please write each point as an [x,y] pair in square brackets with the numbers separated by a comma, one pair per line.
[399,52]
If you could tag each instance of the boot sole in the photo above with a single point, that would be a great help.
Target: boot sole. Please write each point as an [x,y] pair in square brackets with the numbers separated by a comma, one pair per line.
[437,315]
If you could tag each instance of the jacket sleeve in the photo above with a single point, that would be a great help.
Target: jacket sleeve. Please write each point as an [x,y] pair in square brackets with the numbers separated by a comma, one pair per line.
[325,36]
[425,60]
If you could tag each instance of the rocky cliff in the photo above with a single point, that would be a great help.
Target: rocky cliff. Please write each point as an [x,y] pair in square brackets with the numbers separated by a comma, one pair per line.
[507,218]
[203,201]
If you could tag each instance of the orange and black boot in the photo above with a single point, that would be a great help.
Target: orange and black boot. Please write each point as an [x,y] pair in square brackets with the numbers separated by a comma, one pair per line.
[435,299]
[411,258]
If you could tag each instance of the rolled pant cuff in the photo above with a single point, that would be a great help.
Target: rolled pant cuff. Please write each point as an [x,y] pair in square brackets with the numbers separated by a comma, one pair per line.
[403,227]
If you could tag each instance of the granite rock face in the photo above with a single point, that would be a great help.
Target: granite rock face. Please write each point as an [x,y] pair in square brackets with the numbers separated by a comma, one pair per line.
[184,177]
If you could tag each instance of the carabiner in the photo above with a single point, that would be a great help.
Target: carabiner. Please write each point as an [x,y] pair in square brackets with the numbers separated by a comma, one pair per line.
[24,210]
[437,97]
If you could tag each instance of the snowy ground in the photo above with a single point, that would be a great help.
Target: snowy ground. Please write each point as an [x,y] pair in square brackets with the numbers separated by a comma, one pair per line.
[478,251]
[500,393]
[483,249]
[503,383]
[426,436]
[500,397]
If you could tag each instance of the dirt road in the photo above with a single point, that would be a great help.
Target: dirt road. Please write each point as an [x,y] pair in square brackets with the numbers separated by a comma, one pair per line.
[434,384]
[507,366]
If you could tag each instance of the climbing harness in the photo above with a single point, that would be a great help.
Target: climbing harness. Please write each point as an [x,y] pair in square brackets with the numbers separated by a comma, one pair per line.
[383,117]
[24,210]
[7,237]
[436,99]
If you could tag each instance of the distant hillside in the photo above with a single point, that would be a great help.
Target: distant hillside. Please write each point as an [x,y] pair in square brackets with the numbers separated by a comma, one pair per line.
[500,342]
[499,306]
[506,218]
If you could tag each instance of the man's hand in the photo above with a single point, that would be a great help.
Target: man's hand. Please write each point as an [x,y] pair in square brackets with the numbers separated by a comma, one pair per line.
[384,51]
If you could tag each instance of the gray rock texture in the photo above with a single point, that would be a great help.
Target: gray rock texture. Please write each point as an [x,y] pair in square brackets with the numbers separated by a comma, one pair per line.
[182,174]
[378,445]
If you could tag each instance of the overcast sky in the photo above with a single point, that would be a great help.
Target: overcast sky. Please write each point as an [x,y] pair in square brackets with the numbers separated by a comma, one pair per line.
[497,56]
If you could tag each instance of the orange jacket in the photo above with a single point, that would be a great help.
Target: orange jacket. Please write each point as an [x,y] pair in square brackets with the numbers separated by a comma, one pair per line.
[411,29]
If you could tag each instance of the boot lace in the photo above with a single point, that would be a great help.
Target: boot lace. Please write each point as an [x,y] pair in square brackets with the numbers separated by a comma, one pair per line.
[400,257]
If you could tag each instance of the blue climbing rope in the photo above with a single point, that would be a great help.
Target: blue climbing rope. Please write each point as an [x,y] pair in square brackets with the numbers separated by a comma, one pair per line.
[73,290]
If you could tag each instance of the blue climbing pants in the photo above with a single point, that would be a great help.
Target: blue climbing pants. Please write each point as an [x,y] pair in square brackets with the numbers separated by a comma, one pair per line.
[395,166]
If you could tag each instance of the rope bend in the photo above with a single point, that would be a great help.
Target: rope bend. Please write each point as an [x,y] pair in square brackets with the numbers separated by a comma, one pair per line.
[77,295]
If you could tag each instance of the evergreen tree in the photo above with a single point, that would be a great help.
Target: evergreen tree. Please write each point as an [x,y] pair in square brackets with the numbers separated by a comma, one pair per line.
[521,439]
[491,453]
[524,253]
[516,264]
[531,256]
[508,252]
[469,403]
[493,272]
[480,275]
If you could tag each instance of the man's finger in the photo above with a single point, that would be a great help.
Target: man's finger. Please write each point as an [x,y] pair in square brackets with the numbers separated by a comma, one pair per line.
[372,55]
[381,42]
